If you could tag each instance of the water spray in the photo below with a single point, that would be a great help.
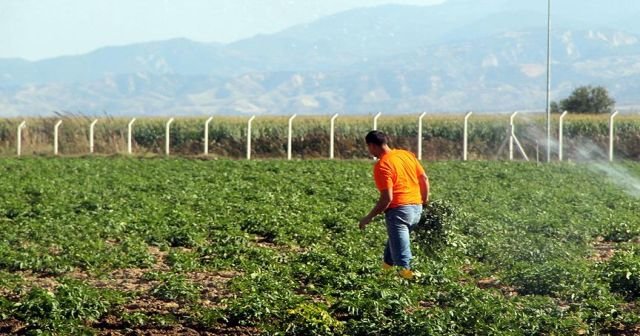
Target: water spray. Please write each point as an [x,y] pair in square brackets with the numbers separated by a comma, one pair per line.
[597,159]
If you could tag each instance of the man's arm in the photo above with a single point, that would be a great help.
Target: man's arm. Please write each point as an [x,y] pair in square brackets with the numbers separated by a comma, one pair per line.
[424,188]
[383,202]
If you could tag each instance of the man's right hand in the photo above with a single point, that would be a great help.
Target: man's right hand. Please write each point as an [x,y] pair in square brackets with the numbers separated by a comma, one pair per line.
[364,222]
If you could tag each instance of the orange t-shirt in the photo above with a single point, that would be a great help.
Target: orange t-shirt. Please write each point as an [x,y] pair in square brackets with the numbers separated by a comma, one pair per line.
[399,170]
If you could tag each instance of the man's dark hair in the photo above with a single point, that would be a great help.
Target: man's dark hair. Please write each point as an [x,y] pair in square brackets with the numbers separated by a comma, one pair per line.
[376,138]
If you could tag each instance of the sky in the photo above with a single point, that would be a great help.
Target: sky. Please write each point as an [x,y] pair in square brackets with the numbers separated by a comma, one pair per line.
[39,29]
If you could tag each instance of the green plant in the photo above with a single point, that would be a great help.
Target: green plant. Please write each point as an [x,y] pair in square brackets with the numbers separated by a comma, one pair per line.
[67,307]
[310,319]
[623,273]
[553,278]
[174,287]
[622,232]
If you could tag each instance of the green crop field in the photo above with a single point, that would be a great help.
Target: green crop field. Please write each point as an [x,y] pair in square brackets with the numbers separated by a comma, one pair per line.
[126,246]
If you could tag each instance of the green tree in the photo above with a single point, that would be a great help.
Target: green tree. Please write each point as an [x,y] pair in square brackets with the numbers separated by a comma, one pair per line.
[588,99]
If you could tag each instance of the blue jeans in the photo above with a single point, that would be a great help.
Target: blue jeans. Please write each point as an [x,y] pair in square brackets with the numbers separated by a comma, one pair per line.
[400,222]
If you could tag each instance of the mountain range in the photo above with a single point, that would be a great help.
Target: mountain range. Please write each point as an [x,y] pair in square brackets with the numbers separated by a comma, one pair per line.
[481,55]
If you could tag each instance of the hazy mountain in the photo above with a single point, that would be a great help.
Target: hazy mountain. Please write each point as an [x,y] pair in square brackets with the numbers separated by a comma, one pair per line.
[460,55]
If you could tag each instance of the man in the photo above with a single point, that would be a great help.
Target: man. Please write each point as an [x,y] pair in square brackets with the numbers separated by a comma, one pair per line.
[404,189]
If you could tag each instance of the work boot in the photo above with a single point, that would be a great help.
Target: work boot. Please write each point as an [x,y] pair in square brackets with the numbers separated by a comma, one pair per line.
[386,266]
[406,274]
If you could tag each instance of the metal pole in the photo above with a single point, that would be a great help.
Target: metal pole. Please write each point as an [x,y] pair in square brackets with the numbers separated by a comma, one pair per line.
[56,130]
[611,140]
[465,141]
[91,135]
[561,135]
[129,149]
[249,137]
[206,136]
[290,134]
[548,81]
[332,135]
[375,121]
[19,145]
[512,134]
[420,135]
[167,136]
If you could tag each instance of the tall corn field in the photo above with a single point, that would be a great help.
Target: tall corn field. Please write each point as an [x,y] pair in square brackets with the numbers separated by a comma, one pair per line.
[442,136]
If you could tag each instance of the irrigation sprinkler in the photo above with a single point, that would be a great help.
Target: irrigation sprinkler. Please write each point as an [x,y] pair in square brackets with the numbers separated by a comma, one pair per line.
[91,135]
[611,139]
[332,135]
[130,132]
[465,140]
[56,131]
[249,137]
[375,121]
[289,135]
[561,134]
[167,137]
[22,125]
[420,134]
[206,135]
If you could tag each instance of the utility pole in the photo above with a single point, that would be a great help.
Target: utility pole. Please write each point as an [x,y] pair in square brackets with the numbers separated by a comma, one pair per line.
[548,80]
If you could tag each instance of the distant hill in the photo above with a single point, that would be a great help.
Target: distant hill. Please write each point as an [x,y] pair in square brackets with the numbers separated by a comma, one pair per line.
[484,55]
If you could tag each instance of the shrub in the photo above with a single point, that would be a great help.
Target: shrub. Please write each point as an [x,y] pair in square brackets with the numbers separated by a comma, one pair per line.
[623,273]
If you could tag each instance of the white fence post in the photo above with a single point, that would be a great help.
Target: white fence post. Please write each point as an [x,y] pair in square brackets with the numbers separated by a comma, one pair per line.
[465,136]
[289,136]
[561,135]
[249,137]
[511,134]
[206,136]
[611,139]
[513,138]
[91,135]
[332,135]
[167,136]
[19,144]
[420,134]
[375,121]
[56,131]
[129,149]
